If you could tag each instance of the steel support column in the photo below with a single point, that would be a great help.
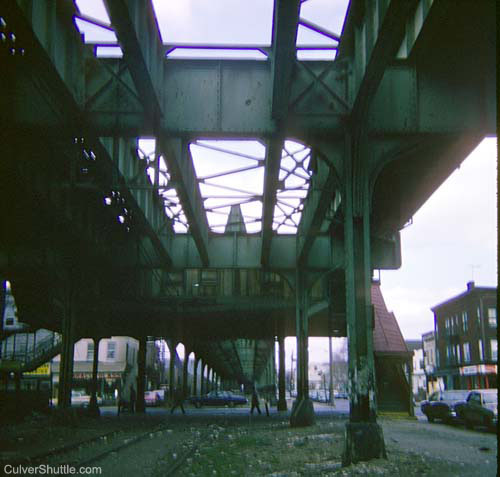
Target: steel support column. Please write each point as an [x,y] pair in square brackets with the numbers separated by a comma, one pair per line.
[67,356]
[302,410]
[171,369]
[209,379]
[364,437]
[195,375]
[202,375]
[281,370]
[93,407]
[141,375]
[185,363]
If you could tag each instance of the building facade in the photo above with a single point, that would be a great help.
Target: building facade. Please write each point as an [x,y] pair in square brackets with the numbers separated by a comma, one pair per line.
[418,382]
[433,382]
[116,372]
[465,328]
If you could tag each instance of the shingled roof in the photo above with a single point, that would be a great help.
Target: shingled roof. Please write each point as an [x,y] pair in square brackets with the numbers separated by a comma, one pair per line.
[387,337]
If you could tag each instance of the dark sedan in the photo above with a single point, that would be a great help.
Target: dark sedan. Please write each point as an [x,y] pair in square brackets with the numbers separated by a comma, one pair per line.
[218,398]
[444,405]
[481,409]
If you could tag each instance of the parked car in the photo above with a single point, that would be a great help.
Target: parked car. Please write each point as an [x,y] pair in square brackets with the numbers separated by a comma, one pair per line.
[481,408]
[319,396]
[340,395]
[151,398]
[218,398]
[444,405]
[79,398]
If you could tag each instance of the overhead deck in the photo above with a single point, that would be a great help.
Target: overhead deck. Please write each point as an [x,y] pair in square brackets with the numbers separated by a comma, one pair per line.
[407,97]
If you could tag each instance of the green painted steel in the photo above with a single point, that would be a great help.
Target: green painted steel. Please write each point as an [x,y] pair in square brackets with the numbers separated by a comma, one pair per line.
[409,95]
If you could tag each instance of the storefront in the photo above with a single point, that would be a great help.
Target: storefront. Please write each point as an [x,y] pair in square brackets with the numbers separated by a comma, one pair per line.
[480,376]
[111,379]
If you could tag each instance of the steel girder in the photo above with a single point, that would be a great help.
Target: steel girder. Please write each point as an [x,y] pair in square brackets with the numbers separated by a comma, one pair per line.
[394,100]
[138,35]
[217,98]
[54,50]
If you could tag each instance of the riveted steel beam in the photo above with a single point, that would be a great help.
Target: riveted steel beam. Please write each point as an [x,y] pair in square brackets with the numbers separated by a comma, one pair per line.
[319,200]
[139,37]
[137,32]
[272,168]
[372,36]
[285,24]
[52,48]
[181,168]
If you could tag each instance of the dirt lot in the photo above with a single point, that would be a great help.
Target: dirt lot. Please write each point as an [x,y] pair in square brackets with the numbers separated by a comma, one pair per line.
[229,442]
[274,449]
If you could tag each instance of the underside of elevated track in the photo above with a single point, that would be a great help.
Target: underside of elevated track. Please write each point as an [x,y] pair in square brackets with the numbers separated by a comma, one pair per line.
[100,238]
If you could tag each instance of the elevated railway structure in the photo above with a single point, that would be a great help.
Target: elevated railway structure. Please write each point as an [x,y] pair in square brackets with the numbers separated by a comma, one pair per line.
[86,240]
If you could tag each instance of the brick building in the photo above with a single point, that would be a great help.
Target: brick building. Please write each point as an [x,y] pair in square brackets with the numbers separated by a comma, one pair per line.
[465,328]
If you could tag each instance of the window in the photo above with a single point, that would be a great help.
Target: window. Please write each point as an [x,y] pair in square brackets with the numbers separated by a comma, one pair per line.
[90,351]
[9,321]
[457,353]
[449,354]
[111,350]
[494,349]
[474,397]
[465,321]
[492,317]
[466,353]
[481,350]
[478,315]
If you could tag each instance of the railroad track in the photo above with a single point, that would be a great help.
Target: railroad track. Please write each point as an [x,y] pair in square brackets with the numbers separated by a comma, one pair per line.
[96,450]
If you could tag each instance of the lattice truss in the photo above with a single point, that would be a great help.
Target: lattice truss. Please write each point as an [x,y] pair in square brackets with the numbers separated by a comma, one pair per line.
[232,173]
[157,171]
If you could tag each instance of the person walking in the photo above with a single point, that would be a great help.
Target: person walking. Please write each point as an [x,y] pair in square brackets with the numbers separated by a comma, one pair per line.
[178,401]
[255,400]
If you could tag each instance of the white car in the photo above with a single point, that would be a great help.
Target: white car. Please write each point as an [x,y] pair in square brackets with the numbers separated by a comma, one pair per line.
[80,399]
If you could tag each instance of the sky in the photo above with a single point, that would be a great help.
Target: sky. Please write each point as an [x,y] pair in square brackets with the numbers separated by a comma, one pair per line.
[452,238]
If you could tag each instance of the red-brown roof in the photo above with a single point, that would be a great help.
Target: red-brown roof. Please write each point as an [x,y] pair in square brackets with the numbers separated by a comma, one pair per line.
[387,337]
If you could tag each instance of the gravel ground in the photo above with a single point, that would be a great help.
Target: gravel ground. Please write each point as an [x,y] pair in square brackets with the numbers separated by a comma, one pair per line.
[228,442]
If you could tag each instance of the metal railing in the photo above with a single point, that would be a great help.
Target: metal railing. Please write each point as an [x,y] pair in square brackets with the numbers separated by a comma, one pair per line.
[26,349]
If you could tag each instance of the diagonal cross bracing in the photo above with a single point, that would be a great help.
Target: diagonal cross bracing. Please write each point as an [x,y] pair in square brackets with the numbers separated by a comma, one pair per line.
[180,164]
[372,50]
[139,38]
[273,158]
[317,203]
[137,32]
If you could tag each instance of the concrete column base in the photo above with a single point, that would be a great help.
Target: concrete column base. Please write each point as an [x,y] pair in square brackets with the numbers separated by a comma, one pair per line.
[363,441]
[281,405]
[302,413]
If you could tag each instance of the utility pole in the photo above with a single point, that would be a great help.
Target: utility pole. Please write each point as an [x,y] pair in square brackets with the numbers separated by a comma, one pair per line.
[332,397]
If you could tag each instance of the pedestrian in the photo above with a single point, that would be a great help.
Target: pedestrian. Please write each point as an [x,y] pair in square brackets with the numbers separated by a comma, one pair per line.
[255,400]
[178,401]
[132,399]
